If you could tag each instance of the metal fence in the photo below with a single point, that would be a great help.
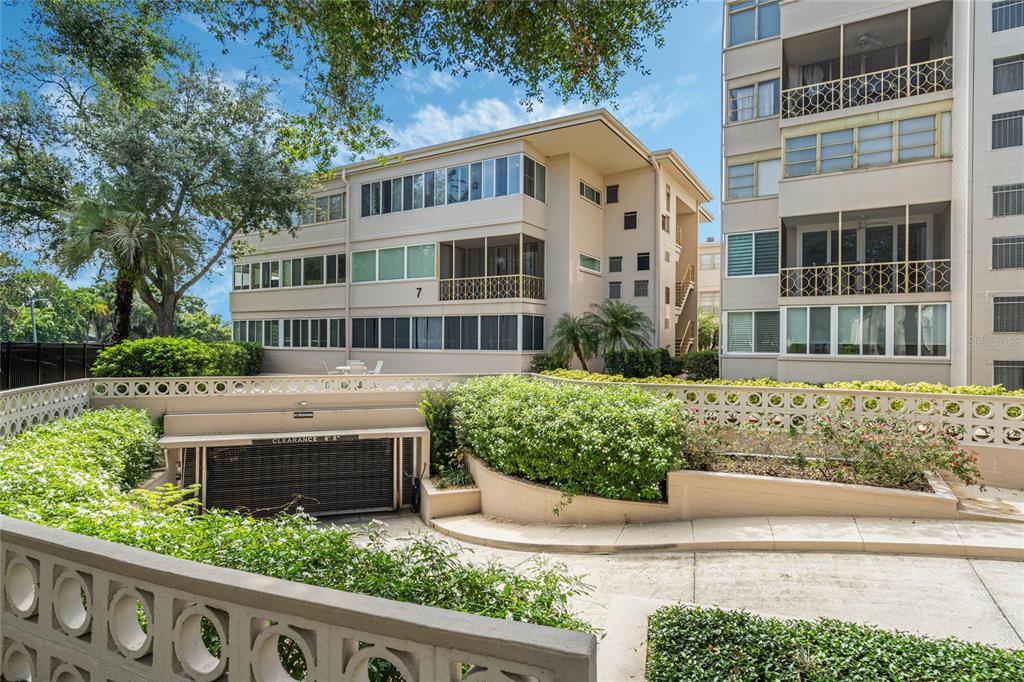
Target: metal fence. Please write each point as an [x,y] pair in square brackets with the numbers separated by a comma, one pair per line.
[33,364]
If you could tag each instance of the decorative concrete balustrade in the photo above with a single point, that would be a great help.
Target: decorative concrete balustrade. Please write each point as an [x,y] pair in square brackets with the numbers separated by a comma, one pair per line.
[74,608]
[23,408]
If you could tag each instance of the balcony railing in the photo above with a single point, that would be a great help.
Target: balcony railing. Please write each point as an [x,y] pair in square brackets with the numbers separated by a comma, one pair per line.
[684,287]
[935,75]
[492,287]
[901,277]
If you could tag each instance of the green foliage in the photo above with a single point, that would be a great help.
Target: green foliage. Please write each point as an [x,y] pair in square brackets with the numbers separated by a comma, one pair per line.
[436,408]
[694,644]
[617,441]
[883,450]
[621,326]
[543,362]
[574,335]
[877,385]
[173,357]
[700,365]
[708,328]
[455,477]
[71,474]
[642,362]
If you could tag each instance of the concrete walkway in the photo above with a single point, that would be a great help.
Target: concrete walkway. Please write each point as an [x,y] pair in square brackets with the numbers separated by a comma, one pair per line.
[978,600]
[981,539]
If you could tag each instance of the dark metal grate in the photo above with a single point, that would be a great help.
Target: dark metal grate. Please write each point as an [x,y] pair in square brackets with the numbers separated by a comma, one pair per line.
[321,478]
[408,471]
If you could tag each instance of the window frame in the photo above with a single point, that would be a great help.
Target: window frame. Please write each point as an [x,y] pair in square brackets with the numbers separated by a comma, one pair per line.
[1014,243]
[753,254]
[644,285]
[755,101]
[584,268]
[625,220]
[1011,117]
[727,314]
[1014,9]
[1007,62]
[596,199]
[1007,189]
[739,6]
[1006,317]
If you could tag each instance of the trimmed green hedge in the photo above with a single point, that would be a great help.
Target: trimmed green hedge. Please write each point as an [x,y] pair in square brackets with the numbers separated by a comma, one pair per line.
[642,362]
[617,441]
[700,365]
[692,644]
[73,474]
[175,357]
[875,385]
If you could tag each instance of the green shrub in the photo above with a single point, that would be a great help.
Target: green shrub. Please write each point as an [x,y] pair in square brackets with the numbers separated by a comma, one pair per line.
[642,362]
[436,408]
[700,365]
[542,362]
[175,357]
[693,644]
[615,441]
[72,473]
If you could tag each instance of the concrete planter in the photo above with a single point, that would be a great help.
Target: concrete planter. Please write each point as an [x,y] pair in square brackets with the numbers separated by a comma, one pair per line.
[702,494]
[436,504]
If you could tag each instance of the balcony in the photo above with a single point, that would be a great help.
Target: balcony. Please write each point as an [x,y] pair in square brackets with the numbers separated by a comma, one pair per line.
[492,268]
[866,253]
[881,59]
[492,287]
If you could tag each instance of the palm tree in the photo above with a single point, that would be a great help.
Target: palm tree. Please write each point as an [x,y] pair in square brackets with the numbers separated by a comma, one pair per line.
[99,228]
[621,325]
[575,335]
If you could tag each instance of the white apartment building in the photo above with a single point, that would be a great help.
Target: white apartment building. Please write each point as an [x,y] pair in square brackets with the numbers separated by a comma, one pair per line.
[709,276]
[462,256]
[873,190]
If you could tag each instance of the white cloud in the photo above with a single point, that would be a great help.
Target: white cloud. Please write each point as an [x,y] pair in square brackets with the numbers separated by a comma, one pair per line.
[652,106]
[432,124]
[436,81]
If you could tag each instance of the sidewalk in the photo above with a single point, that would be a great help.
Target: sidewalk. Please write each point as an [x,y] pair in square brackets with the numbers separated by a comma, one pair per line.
[956,538]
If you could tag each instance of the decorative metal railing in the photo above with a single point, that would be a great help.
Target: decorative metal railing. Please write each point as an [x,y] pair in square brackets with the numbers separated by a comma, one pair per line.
[23,408]
[77,608]
[684,287]
[920,78]
[684,344]
[492,287]
[979,419]
[900,277]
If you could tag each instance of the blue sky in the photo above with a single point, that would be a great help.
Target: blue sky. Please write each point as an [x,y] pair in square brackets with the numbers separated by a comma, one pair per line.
[676,105]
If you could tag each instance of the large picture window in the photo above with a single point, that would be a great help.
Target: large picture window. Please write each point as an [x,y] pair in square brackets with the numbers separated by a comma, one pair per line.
[752,253]
[755,179]
[477,181]
[751,20]
[752,331]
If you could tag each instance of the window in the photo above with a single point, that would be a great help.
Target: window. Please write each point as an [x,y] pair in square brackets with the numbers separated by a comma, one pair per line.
[615,264]
[710,261]
[1009,373]
[1008,314]
[468,182]
[919,330]
[323,209]
[499,332]
[460,333]
[874,145]
[427,333]
[757,100]
[640,288]
[1008,200]
[1008,129]
[419,261]
[752,253]
[861,330]
[1008,74]
[752,332]
[1008,252]
[365,332]
[1007,14]
[614,289]
[313,270]
[611,194]
[753,20]
[668,296]
[760,178]
[394,332]
[391,263]
[643,261]
[364,266]
[533,332]
[916,138]
[337,332]
[590,263]
[809,331]
[629,220]
[589,193]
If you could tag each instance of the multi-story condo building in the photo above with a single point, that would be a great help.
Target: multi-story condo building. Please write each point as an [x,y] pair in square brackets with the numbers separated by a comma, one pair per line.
[873,190]
[709,276]
[462,256]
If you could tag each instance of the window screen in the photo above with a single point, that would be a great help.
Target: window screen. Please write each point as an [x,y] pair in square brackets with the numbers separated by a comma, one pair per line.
[1008,200]
[364,266]
[420,261]
[1007,14]
[640,287]
[533,332]
[1009,373]
[391,263]
[740,254]
[1008,314]
[1008,252]
[1008,74]
[766,253]
[1008,129]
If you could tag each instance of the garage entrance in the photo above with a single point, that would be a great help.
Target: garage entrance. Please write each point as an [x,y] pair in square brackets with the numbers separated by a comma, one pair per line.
[322,474]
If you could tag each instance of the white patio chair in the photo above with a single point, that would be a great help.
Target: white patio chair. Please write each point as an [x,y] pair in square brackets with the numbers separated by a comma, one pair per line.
[328,370]
[377,368]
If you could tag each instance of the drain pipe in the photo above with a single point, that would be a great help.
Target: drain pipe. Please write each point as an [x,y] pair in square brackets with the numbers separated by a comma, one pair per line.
[345,323]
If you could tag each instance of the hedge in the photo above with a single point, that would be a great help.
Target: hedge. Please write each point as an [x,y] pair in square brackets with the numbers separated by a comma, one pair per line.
[693,644]
[875,385]
[73,474]
[700,365]
[177,357]
[642,362]
[617,441]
